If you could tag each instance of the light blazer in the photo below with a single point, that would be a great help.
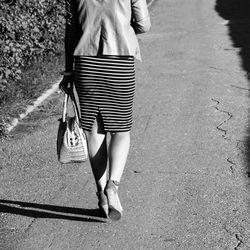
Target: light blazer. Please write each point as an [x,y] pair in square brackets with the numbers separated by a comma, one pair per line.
[104,27]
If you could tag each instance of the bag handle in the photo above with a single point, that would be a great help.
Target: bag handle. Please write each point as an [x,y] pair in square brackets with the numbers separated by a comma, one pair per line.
[70,95]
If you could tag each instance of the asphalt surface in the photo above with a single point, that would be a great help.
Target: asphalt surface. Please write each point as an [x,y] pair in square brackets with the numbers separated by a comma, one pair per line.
[185,185]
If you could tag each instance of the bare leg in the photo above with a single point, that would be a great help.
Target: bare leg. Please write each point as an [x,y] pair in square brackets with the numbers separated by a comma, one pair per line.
[98,153]
[118,152]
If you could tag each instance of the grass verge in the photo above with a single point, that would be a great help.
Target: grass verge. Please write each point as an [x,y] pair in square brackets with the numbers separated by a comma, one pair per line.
[34,81]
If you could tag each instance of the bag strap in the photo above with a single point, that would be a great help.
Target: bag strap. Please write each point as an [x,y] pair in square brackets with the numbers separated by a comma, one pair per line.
[65,104]
[70,95]
[73,99]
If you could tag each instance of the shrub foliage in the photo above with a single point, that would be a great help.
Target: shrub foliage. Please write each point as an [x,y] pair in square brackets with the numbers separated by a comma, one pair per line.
[29,30]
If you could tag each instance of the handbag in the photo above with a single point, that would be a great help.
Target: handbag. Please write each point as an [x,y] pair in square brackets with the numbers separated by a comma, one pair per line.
[71,140]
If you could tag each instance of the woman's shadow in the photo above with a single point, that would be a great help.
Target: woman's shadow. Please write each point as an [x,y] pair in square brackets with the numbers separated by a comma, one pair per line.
[36,210]
[237,12]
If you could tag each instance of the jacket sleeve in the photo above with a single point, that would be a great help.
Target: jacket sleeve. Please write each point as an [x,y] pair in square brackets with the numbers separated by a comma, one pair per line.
[140,16]
[70,34]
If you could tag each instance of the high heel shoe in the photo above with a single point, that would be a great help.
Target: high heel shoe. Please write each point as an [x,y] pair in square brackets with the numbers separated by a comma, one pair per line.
[114,205]
[103,203]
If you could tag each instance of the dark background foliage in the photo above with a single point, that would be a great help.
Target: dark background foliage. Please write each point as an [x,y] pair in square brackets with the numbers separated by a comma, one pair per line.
[29,30]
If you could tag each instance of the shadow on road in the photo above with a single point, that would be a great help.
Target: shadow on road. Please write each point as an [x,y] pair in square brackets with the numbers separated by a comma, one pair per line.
[237,12]
[36,210]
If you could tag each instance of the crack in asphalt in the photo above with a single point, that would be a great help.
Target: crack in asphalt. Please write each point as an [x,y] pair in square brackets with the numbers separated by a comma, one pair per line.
[230,161]
[240,241]
[238,236]
[219,127]
[238,87]
[225,132]
[149,118]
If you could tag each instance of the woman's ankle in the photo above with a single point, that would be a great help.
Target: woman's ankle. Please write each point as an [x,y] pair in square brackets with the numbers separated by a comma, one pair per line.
[113,184]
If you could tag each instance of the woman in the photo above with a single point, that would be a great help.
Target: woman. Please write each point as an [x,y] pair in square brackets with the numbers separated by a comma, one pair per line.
[100,47]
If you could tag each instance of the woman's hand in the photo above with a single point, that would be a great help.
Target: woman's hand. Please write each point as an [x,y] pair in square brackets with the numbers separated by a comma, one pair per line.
[66,83]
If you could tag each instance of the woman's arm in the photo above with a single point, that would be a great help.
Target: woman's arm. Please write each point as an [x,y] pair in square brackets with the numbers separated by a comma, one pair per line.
[69,43]
[70,35]
[140,16]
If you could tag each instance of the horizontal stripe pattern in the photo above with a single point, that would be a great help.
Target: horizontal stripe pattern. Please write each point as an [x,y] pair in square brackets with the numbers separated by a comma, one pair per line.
[106,86]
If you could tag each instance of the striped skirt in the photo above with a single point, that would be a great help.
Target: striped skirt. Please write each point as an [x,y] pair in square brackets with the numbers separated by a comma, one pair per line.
[105,86]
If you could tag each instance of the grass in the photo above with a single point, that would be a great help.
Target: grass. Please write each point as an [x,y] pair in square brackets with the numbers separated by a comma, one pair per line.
[36,79]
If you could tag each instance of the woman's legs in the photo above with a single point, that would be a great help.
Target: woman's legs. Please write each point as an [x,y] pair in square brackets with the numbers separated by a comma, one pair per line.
[118,152]
[97,148]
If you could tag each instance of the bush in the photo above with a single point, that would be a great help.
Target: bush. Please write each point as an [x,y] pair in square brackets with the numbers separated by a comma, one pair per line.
[29,30]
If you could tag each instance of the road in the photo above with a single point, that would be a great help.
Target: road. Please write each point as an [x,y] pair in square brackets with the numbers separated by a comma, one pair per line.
[185,185]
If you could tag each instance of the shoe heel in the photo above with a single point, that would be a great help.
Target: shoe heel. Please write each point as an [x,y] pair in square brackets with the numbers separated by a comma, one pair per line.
[115,208]
[103,204]
[104,209]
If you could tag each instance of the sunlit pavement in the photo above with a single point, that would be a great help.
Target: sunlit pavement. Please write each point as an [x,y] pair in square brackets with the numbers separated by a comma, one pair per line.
[185,185]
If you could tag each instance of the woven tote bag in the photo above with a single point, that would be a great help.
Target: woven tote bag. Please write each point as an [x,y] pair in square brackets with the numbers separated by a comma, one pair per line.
[71,140]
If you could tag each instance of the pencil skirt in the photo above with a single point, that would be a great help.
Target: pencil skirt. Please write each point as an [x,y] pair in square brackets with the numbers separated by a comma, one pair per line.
[105,86]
